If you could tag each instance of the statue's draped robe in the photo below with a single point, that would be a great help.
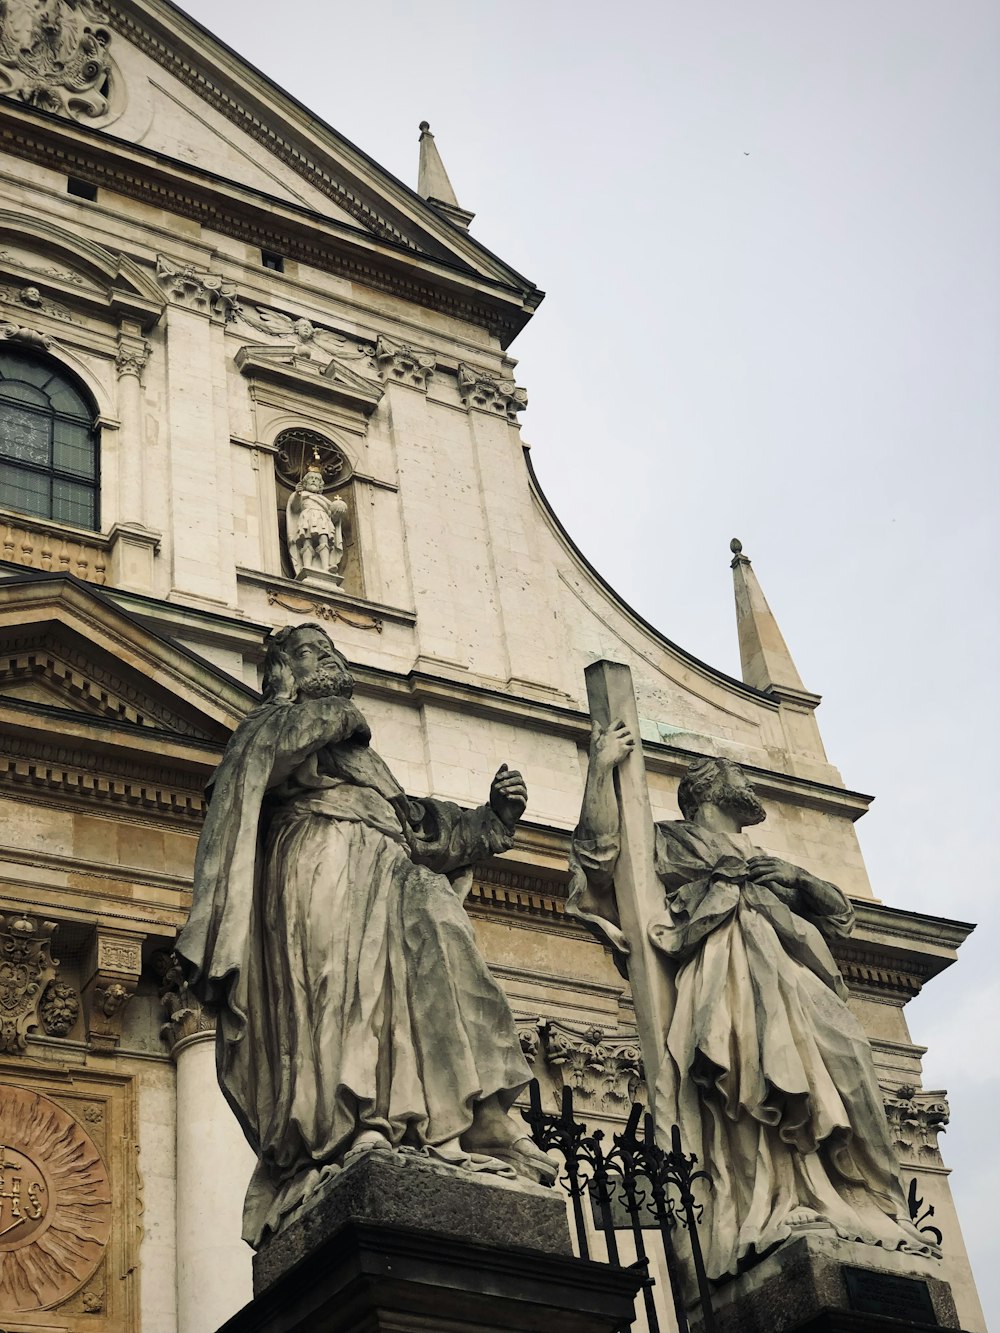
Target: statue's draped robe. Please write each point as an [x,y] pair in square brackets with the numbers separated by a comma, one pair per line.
[339,959]
[765,1070]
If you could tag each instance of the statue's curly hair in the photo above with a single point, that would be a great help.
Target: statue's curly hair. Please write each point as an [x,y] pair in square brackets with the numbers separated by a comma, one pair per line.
[279,685]
[702,783]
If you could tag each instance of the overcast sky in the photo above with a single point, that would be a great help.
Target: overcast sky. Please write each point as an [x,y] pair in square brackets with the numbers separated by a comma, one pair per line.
[769,234]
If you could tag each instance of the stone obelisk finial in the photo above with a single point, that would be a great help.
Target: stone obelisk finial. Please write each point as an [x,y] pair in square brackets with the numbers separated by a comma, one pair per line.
[767,663]
[433,183]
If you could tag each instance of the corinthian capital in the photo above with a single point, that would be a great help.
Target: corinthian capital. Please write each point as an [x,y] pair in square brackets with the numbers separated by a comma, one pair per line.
[488,393]
[131,357]
[404,364]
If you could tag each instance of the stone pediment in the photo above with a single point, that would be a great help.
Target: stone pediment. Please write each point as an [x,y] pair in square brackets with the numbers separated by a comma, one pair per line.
[158,82]
[65,648]
[45,270]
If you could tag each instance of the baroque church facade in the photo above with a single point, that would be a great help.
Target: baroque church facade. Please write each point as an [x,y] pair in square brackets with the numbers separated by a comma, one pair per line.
[207,295]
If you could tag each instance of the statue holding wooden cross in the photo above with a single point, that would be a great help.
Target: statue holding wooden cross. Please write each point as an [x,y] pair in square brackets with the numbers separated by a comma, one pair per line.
[748,1043]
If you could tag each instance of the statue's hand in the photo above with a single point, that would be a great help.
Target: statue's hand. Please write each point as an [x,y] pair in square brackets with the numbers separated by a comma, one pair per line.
[610,745]
[508,796]
[772,868]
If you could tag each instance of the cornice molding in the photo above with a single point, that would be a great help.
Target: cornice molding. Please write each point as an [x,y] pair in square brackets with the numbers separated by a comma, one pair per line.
[265,222]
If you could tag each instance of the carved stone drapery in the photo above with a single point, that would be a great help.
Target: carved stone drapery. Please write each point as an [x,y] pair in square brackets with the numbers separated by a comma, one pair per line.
[404,364]
[26,968]
[54,56]
[487,393]
[195,289]
[916,1118]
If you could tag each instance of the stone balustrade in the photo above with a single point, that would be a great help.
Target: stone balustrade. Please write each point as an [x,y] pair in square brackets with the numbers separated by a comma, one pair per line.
[51,547]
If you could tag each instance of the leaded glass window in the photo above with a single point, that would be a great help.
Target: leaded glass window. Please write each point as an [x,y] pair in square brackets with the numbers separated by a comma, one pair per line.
[48,442]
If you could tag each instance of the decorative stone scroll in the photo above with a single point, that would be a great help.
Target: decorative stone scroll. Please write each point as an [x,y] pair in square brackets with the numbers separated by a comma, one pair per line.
[404,364]
[487,393]
[916,1118]
[54,56]
[26,968]
[28,337]
[193,288]
[55,1203]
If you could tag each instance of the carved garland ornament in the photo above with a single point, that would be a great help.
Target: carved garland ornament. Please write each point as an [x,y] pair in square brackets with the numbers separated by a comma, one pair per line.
[54,55]
[55,1203]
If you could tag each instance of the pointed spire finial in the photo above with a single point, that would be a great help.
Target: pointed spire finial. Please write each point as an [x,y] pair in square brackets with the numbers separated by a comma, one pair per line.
[767,663]
[433,183]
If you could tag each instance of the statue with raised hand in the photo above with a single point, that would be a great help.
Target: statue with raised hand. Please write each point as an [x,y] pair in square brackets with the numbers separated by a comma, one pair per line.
[355,1012]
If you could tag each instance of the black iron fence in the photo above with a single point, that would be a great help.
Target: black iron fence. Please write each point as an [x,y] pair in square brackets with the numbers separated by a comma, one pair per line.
[629,1184]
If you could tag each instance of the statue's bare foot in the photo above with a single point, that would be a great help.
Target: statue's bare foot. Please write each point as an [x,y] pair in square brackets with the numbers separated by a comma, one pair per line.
[368,1140]
[453,1154]
[807,1217]
[529,1161]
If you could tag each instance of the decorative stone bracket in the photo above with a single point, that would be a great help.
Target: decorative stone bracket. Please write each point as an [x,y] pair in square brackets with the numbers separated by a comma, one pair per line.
[111,973]
[193,288]
[487,393]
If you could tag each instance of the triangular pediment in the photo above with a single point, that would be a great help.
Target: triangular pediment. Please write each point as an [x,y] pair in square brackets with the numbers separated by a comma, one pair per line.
[68,652]
[158,81]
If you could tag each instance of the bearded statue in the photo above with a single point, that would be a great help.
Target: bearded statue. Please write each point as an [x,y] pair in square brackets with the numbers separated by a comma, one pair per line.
[763,1067]
[327,932]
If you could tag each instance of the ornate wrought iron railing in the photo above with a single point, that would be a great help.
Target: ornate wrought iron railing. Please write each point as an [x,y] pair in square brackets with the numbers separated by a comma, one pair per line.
[631,1184]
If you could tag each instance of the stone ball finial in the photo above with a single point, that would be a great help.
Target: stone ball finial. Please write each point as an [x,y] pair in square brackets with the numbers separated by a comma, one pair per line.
[736,546]
[425,126]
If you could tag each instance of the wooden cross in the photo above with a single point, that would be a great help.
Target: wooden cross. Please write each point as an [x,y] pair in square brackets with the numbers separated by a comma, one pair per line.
[638,892]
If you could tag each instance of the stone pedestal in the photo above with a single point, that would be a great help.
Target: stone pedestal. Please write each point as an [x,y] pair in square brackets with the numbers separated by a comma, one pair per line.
[396,1244]
[816,1283]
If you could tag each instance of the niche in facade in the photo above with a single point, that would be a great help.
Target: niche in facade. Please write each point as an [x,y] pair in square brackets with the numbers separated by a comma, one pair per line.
[317,520]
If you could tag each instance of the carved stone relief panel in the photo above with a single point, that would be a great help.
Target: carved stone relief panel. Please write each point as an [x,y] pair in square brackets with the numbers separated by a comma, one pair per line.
[31,995]
[69,1202]
[55,56]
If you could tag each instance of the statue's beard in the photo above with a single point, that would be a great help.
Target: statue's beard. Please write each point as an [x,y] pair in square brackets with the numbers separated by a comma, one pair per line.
[742,803]
[325,682]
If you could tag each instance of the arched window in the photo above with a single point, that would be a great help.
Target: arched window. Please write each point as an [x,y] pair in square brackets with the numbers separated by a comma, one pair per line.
[48,441]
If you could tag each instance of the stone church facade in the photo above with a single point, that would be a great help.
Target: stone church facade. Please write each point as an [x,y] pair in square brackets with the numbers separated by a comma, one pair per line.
[204,291]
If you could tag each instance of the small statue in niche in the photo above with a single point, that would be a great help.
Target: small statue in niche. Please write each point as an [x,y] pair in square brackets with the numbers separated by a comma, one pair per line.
[315,526]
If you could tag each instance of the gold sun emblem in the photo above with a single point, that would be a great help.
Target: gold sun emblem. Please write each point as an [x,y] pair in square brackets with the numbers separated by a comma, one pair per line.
[55,1203]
